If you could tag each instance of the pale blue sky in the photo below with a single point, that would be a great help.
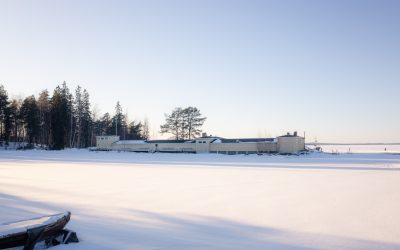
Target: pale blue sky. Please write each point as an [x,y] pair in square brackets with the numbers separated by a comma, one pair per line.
[254,68]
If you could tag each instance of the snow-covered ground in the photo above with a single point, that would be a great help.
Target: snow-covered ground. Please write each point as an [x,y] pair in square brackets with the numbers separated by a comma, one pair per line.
[181,201]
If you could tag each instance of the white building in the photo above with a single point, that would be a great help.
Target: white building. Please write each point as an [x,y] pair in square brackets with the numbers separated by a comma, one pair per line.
[287,144]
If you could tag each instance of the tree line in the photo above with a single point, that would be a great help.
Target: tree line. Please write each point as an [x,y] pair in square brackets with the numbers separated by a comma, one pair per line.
[65,119]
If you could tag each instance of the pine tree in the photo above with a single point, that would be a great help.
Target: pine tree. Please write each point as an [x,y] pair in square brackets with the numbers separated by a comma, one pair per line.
[135,131]
[78,116]
[95,129]
[183,123]
[173,124]
[14,114]
[59,119]
[192,122]
[86,120]
[146,130]
[5,128]
[43,103]
[30,115]
[119,122]
[68,100]
[107,127]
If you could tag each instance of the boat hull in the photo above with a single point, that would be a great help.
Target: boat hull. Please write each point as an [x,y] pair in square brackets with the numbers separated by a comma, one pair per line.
[23,233]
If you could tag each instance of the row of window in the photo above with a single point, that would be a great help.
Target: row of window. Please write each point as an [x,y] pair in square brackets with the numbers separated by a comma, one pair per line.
[103,138]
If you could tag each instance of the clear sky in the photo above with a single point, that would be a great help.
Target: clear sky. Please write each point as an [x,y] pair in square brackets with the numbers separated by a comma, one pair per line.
[254,68]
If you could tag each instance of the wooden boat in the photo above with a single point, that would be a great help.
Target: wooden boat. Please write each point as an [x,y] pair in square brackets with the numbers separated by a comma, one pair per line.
[27,232]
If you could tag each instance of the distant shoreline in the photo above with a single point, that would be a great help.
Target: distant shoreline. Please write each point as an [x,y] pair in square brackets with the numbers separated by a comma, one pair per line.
[327,143]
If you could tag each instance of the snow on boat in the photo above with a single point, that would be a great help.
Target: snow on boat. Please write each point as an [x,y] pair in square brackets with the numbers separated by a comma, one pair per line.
[27,232]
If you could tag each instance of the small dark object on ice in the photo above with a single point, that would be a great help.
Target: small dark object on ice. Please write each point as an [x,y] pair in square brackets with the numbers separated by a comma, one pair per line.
[28,232]
[64,237]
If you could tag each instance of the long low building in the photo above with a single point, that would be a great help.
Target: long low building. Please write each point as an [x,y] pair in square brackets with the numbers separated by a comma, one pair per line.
[286,144]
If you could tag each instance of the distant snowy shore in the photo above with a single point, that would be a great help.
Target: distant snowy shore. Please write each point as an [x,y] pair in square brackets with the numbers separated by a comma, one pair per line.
[359,148]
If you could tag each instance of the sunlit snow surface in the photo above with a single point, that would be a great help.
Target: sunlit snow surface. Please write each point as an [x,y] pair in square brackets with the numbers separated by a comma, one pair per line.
[207,201]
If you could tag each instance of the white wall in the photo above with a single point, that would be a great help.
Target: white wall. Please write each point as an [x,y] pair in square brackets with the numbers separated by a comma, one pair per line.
[105,142]
[290,145]
[284,145]
[152,147]
[244,147]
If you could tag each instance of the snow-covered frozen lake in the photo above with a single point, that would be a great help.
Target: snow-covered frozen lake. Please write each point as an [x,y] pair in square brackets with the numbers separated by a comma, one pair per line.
[366,148]
[181,201]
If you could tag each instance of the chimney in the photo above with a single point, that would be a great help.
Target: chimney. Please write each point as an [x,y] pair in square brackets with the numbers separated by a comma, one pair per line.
[295,133]
[204,135]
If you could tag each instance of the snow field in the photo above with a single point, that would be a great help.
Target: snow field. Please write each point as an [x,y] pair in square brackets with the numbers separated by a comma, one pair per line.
[181,201]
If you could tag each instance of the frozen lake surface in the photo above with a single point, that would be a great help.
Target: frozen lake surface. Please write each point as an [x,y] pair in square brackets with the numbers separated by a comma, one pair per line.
[361,148]
[206,201]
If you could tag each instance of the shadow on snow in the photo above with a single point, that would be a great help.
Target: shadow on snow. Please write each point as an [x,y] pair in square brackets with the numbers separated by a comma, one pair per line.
[140,229]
